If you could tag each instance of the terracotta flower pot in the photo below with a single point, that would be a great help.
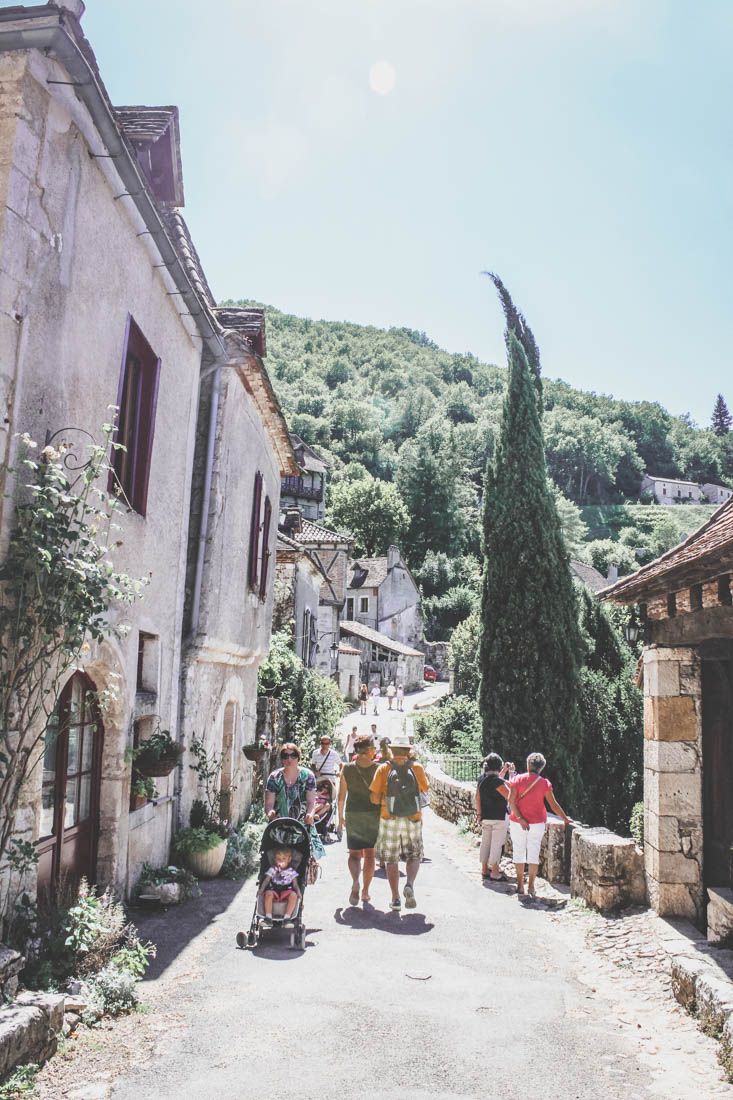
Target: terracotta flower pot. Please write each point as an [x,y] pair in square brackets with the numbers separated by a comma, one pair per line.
[207,864]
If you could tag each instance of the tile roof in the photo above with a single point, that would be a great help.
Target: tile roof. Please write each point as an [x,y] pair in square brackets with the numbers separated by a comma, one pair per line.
[314,532]
[181,238]
[285,543]
[368,572]
[590,576]
[155,132]
[348,626]
[309,459]
[249,320]
[705,553]
[344,648]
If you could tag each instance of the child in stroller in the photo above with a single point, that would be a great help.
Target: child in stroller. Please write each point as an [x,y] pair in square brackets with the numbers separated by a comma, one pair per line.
[284,853]
[324,813]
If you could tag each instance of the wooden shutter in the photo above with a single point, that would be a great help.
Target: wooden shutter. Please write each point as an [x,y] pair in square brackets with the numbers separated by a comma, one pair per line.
[265,548]
[254,533]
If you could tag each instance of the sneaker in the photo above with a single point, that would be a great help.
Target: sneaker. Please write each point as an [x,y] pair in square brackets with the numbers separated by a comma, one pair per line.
[409,893]
[241,939]
[267,922]
[288,923]
[395,905]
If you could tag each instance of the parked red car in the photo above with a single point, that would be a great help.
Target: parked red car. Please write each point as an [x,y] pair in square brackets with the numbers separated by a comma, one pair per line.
[429,674]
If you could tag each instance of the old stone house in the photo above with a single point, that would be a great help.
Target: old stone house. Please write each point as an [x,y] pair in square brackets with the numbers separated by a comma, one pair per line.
[685,603]
[669,490]
[103,302]
[306,490]
[384,661]
[297,592]
[329,551]
[382,594]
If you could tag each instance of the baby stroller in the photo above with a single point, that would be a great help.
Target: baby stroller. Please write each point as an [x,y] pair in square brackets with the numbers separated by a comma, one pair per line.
[284,832]
[326,825]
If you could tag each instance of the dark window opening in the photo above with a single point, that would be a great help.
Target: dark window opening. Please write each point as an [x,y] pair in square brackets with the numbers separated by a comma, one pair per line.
[696,597]
[254,533]
[672,605]
[724,593]
[136,401]
[265,559]
[350,608]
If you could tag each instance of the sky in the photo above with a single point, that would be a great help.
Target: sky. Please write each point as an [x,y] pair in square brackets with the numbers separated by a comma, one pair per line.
[367,160]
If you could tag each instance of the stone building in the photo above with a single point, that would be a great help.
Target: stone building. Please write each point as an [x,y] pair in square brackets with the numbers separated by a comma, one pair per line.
[382,594]
[684,600]
[384,661]
[669,490]
[103,302]
[297,592]
[329,551]
[306,490]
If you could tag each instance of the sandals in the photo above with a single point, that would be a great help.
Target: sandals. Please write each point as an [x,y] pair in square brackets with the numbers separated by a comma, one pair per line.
[354,896]
[499,878]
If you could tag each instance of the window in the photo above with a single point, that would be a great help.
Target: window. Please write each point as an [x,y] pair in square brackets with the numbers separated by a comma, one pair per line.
[724,593]
[350,608]
[363,605]
[136,400]
[664,490]
[148,657]
[696,597]
[265,559]
[672,604]
[254,533]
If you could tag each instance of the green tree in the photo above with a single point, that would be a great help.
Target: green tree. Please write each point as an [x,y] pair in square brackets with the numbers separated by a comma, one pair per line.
[311,703]
[603,553]
[428,484]
[721,419]
[372,510]
[574,529]
[464,645]
[530,643]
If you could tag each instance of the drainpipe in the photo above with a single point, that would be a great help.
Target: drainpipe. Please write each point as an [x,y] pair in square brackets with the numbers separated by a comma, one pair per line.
[205,500]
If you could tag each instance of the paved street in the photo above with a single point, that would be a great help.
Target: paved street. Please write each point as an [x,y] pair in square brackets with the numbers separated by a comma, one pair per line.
[389,722]
[471,995]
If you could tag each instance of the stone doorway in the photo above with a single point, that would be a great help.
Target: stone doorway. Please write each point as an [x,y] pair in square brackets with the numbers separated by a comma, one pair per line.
[69,829]
[717,755]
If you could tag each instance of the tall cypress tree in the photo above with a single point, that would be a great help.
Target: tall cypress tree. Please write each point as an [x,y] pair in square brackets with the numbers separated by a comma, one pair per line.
[721,419]
[530,648]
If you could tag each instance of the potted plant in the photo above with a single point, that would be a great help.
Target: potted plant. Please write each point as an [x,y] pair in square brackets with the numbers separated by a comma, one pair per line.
[158,755]
[142,790]
[256,753]
[202,849]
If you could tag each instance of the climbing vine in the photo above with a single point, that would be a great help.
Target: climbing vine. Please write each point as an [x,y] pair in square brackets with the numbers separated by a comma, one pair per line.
[58,583]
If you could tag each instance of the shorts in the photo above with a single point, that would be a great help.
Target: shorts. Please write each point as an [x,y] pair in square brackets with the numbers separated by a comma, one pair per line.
[399,838]
[526,844]
[361,829]
[281,893]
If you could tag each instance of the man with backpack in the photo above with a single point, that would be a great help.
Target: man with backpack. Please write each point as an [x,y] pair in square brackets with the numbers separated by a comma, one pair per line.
[398,788]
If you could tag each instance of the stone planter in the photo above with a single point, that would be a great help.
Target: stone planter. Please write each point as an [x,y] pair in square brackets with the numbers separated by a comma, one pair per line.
[207,864]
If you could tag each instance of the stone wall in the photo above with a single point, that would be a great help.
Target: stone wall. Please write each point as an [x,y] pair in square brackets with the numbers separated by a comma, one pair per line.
[29,1029]
[437,654]
[673,781]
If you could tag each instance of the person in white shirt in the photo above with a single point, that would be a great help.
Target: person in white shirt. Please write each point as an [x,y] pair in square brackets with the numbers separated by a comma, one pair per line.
[400,697]
[326,762]
[391,692]
[350,742]
[375,698]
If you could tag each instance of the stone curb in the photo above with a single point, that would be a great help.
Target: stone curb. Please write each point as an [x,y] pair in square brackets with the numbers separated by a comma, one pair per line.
[702,983]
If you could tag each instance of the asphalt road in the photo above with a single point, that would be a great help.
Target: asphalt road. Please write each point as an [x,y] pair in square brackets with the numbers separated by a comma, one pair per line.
[468,996]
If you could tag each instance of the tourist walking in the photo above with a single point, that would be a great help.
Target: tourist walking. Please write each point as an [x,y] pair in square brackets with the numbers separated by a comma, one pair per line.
[363,697]
[290,791]
[375,698]
[528,794]
[350,742]
[391,692]
[491,810]
[358,814]
[325,761]
[396,789]
[400,697]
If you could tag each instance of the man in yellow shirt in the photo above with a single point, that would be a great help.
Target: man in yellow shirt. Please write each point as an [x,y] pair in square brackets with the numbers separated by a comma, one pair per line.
[396,789]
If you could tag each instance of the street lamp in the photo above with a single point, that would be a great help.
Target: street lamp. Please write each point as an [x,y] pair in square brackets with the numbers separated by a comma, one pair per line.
[632,629]
[333,648]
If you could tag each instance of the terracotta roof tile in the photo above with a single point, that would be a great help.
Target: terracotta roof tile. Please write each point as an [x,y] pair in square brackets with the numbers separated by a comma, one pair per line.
[314,532]
[588,575]
[348,626]
[704,550]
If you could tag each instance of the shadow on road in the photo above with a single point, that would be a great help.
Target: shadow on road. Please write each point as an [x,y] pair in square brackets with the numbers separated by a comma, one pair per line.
[171,930]
[397,924]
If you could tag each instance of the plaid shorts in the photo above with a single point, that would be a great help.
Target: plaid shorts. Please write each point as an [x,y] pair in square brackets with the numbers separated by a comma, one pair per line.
[399,838]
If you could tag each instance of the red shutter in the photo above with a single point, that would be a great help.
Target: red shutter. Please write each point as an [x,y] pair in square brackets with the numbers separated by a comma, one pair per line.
[254,533]
[265,548]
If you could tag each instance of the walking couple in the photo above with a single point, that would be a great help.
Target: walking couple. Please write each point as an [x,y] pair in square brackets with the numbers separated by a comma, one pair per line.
[528,796]
[381,807]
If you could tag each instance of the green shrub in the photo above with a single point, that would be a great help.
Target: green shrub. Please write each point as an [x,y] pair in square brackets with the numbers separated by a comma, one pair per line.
[195,839]
[111,992]
[453,726]
[242,851]
[20,1083]
[157,876]
[636,824]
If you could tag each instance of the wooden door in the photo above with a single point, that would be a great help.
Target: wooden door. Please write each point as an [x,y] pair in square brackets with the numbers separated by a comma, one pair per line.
[717,750]
[69,832]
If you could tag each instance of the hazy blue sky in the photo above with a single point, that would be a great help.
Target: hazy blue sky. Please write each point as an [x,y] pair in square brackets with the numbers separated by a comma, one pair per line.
[365,160]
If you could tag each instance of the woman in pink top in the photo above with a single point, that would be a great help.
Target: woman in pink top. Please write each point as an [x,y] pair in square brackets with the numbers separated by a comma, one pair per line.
[528,818]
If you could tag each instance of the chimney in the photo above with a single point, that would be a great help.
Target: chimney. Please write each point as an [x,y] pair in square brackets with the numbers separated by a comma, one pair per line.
[292,521]
[612,574]
[393,557]
[75,7]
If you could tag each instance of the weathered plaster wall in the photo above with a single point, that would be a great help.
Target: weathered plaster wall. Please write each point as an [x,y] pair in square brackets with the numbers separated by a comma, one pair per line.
[399,612]
[72,267]
[673,781]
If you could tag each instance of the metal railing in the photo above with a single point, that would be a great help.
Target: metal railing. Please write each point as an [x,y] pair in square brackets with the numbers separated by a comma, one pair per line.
[295,486]
[467,769]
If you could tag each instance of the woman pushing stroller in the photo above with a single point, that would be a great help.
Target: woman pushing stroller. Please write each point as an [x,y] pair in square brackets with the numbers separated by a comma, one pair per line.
[291,792]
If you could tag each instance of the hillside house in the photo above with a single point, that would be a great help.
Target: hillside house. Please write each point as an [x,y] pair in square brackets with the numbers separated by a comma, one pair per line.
[589,576]
[305,490]
[716,494]
[382,595]
[329,551]
[131,323]
[384,661]
[685,601]
[297,592]
[667,490]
